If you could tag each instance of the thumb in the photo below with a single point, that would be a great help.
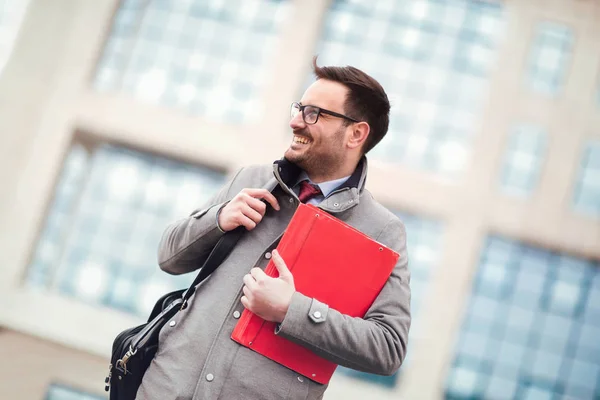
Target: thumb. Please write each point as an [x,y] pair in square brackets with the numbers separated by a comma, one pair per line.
[284,272]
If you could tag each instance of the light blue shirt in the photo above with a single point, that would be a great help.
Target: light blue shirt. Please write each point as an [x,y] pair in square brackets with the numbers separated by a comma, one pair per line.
[326,187]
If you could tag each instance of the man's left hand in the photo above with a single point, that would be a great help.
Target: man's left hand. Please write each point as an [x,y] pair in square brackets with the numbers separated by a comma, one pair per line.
[268,297]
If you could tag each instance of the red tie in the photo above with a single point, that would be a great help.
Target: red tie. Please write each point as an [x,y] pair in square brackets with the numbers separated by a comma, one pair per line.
[308,191]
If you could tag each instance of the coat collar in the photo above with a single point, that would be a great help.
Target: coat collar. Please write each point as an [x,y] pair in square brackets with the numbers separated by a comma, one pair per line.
[346,196]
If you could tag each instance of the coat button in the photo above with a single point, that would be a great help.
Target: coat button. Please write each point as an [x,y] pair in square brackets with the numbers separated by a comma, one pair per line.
[267,255]
[172,323]
[291,200]
[210,377]
[317,314]
[236,314]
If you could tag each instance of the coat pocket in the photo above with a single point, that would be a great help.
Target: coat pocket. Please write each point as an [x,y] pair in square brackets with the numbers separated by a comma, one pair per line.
[253,376]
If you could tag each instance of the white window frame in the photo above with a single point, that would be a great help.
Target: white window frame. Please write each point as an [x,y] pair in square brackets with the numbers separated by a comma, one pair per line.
[471,208]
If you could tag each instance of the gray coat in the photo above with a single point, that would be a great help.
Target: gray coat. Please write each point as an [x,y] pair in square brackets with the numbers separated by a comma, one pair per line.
[197,359]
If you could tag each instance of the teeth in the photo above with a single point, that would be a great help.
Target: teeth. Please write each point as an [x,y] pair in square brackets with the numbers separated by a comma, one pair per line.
[299,139]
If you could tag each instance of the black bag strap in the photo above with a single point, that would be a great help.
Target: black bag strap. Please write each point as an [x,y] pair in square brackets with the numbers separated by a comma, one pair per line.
[220,252]
[216,257]
[166,307]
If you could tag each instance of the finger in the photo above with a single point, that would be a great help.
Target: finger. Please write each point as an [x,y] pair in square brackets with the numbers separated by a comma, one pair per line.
[247,293]
[258,274]
[246,222]
[249,281]
[264,194]
[282,268]
[251,213]
[258,205]
[245,302]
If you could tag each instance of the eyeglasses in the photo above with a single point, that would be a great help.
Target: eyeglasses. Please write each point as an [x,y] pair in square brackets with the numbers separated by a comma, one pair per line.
[310,114]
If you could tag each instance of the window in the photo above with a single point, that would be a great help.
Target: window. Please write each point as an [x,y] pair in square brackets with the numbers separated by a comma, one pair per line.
[61,392]
[523,160]
[424,242]
[433,58]
[587,189]
[549,58]
[11,16]
[531,327]
[100,239]
[204,56]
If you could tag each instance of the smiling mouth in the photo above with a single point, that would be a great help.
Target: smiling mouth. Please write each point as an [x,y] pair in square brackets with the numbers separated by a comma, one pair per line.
[301,139]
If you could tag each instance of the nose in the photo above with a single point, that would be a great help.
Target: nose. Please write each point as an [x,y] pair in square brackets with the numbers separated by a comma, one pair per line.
[297,122]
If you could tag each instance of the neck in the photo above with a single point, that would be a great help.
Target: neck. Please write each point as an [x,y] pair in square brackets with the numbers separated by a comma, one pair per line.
[346,170]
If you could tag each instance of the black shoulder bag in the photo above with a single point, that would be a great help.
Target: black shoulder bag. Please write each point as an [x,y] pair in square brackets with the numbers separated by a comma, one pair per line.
[134,348]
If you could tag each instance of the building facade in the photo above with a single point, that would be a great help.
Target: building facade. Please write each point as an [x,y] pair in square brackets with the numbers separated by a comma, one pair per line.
[118,117]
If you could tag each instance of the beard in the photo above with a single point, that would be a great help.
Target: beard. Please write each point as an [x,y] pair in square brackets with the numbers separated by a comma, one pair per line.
[320,159]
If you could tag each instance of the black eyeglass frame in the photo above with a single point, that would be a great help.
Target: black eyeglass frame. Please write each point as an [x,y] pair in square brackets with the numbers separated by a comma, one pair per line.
[296,105]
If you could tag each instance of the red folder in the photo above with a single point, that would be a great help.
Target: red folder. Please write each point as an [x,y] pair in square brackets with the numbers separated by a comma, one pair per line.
[331,262]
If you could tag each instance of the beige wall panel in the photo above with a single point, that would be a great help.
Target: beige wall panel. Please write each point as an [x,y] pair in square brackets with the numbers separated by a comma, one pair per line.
[45,99]
[30,365]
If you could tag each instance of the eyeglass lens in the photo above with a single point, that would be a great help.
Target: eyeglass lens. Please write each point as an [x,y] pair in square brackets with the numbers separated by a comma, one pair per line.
[310,114]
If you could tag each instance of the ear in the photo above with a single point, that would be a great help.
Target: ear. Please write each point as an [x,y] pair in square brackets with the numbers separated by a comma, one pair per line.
[359,134]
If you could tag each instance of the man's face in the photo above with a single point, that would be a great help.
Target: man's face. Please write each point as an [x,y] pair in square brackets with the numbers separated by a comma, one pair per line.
[320,149]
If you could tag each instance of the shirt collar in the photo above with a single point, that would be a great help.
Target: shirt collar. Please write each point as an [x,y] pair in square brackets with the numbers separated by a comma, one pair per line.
[326,187]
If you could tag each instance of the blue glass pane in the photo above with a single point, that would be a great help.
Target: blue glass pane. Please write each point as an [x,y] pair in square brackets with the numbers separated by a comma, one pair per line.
[511,355]
[207,57]
[519,323]
[546,366]
[571,269]
[564,298]
[465,382]
[587,188]
[591,308]
[533,392]
[473,344]
[106,251]
[584,374]
[523,160]
[495,280]
[433,58]
[540,338]
[549,58]
[60,392]
[529,287]
[423,243]
[501,387]
[58,224]
[586,343]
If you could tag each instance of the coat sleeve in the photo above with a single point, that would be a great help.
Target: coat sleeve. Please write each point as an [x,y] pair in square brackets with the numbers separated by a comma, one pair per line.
[186,243]
[374,344]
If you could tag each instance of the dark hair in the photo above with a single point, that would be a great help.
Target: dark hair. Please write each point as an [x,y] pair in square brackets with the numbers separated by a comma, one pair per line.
[366,99]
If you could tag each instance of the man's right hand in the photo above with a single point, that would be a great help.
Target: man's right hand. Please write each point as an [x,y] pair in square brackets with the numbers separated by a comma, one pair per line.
[246,209]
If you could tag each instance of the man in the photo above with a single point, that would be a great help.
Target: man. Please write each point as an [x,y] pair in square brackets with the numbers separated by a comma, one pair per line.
[341,116]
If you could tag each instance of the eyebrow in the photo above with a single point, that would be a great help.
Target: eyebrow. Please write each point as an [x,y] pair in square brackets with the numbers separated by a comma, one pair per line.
[312,105]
